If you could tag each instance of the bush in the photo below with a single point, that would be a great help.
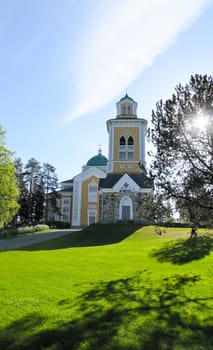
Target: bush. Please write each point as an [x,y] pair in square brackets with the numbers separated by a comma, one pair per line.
[13,231]
[59,224]
[26,229]
[31,229]
[41,227]
[176,224]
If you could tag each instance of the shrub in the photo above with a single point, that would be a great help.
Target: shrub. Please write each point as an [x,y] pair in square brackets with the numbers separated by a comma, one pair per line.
[26,229]
[31,229]
[176,224]
[13,231]
[59,224]
[41,227]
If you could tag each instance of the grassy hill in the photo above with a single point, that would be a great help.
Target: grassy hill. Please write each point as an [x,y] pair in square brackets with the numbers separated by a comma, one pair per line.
[109,287]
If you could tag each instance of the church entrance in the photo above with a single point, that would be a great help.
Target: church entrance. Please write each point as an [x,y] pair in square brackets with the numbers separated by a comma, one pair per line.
[125,212]
[125,209]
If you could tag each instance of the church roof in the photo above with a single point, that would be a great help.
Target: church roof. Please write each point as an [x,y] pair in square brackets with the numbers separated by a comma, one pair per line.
[126,96]
[70,189]
[111,179]
[98,160]
[67,181]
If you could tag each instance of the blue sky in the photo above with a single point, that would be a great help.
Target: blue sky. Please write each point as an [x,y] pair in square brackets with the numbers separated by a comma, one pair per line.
[64,64]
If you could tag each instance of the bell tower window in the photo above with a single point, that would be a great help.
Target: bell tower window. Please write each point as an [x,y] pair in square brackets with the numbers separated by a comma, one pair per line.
[126,109]
[122,141]
[126,149]
[130,148]
[130,141]
[122,148]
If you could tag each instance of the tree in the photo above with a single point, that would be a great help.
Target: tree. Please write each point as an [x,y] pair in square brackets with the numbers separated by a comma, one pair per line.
[50,182]
[37,185]
[38,201]
[158,211]
[8,186]
[22,214]
[182,133]
[35,191]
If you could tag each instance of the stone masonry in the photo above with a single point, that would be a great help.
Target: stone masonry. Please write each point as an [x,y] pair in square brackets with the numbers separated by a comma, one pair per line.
[109,206]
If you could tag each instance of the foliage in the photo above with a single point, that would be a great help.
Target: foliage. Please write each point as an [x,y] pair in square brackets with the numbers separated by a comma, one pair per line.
[158,211]
[9,232]
[50,182]
[41,227]
[58,224]
[114,296]
[31,229]
[35,195]
[35,183]
[8,186]
[22,215]
[183,136]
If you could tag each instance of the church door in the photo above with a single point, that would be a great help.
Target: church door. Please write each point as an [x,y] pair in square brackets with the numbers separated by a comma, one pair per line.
[125,209]
[125,212]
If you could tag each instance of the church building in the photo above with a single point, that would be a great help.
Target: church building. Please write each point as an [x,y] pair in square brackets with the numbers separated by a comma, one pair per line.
[114,189]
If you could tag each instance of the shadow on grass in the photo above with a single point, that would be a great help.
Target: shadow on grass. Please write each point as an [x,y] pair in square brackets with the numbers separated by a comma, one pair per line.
[183,251]
[127,314]
[93,235]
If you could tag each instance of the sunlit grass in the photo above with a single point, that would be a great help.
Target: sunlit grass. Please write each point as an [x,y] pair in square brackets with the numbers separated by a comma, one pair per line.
[109,287]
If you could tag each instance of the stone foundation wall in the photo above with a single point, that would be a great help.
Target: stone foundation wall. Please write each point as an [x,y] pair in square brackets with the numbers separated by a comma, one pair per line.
[109,206]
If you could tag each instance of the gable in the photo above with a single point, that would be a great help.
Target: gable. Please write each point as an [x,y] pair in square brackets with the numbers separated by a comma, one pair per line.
[92,171]
[126,183]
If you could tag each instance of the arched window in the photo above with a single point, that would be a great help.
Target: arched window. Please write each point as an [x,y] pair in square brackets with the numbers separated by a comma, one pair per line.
[130,141]
[126,148]
[128,110]
[122,148]
[122,141]
[92,192]
[125,209]
[130,148]
[124,110]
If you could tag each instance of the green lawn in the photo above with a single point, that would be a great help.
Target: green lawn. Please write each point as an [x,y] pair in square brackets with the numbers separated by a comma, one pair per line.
[109,287]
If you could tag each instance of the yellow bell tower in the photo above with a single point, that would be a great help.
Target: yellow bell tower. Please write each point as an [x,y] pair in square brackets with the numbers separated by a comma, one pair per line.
[126,138]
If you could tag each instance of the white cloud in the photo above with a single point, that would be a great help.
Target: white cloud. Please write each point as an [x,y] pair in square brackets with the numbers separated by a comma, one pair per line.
[122,42]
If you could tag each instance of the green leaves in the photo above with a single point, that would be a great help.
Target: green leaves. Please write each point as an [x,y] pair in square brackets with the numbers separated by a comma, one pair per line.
[183,136]
[8,186]
[37,185]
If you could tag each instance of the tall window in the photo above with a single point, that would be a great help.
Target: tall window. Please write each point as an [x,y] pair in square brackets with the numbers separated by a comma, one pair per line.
[92,192]
[126,148]
[124,110]
[130,148]
[122,141]
[122,148]
[66,209]
[92,217]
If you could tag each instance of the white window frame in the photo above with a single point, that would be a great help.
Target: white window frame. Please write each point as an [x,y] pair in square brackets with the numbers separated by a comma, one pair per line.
[66,209]
[92,192]
[126,152]
[91,214]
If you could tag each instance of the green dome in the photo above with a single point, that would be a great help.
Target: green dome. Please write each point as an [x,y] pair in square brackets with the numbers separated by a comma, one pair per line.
[98,160]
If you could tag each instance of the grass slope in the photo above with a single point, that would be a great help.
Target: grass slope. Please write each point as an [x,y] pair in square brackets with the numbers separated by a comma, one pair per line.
[116,287]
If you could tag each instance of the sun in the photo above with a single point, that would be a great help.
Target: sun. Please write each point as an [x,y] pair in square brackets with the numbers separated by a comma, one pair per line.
[200,121]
